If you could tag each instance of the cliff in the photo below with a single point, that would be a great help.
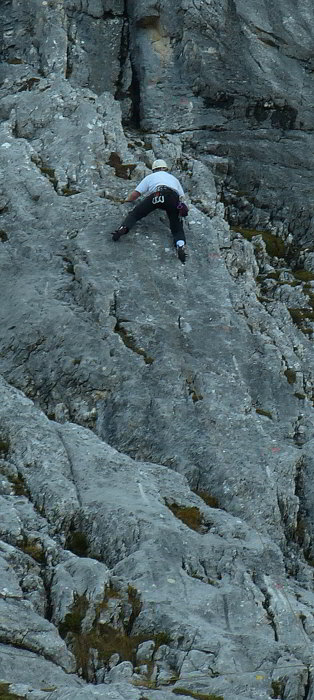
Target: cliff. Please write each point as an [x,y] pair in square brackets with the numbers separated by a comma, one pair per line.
[156,420]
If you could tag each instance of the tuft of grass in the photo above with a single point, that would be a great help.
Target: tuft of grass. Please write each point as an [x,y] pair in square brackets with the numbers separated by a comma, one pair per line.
[122,170]
[189,515]
[4,447]
[19,486]
[278,689]
[197,696]
[262,412]
[49,689]
[210,500]
[15,61]
[33,549]
[302,317]
[275,246]
[303,275]
[69,191]
[291,376]
[103,637]
[5,693]
[45,169]
[196,395]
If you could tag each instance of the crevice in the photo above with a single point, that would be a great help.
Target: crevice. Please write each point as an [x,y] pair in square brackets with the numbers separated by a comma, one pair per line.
[68,191]
[49,604]
[307,686]
[133,120]
[135,96]
[69,47]
[69,66]
[76,541]
[109,14]
[45,170]
[302,536]
[266,603]
[131,344]
[121,93]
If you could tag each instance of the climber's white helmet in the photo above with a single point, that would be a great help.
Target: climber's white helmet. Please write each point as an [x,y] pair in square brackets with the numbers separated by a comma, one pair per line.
[159,163]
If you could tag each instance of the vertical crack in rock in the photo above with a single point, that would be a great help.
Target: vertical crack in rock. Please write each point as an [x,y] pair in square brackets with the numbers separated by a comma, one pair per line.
[302,535]
[135,88]
[135,94]
[46,577]
[69,63]
[120,92]
[266,603]
[308,686]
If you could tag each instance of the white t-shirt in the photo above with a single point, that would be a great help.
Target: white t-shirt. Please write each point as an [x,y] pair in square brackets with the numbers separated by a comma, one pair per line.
[161,177]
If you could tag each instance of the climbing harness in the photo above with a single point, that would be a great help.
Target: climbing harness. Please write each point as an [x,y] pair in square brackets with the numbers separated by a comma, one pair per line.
[158,199]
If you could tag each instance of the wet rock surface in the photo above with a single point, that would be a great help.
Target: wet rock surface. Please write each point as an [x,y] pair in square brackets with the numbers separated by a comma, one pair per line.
[156,420]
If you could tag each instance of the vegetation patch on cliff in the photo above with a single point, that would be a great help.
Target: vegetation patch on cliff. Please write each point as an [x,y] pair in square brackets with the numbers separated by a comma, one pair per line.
[196,695]
[275,246]
[189,515]
[93,647]
[5,693]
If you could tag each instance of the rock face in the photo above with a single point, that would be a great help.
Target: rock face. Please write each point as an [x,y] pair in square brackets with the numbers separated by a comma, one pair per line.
[235,80]
[156,420]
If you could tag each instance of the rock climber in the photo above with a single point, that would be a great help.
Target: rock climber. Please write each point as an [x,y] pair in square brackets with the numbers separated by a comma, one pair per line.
[164,192]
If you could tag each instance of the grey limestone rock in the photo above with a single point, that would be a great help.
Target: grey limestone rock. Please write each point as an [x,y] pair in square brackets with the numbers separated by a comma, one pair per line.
[156,420]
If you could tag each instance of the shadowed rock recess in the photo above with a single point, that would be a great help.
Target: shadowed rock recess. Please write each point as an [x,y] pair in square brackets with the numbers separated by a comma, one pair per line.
[156,419]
